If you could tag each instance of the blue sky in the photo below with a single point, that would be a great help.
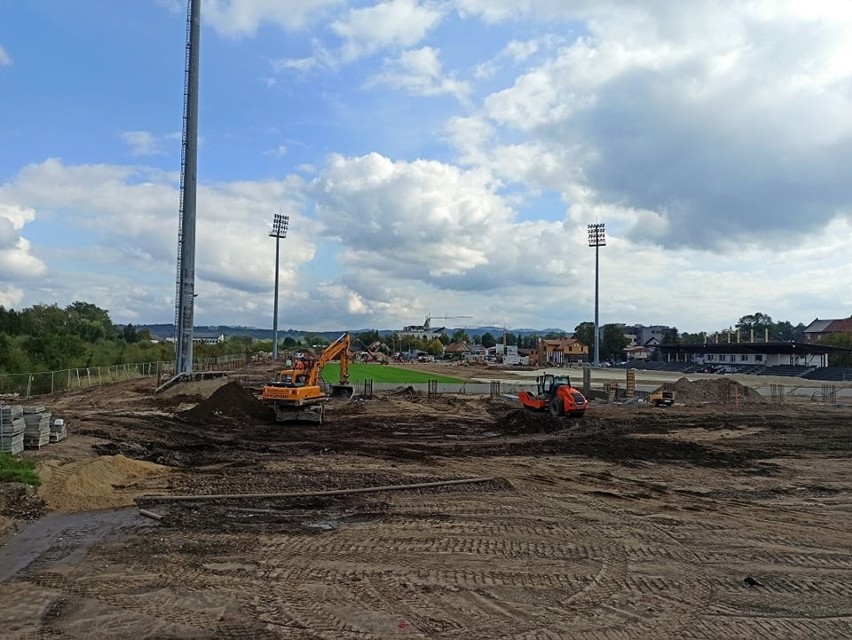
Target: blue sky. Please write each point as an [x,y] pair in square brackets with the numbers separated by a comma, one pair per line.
[436,157]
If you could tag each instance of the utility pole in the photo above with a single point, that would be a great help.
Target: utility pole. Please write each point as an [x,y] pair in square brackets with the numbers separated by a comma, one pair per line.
[597,239]
[280,223]
[185,296]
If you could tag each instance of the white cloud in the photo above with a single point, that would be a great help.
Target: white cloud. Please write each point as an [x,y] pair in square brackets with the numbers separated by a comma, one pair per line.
[239,18]
[5,58]
[395,23]
[683,112]
[17,262]
[419,72]
[145,143]
[130,214]
[277,152]
[300,65]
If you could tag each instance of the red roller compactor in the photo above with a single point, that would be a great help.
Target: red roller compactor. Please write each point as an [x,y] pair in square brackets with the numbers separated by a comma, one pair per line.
[555,394]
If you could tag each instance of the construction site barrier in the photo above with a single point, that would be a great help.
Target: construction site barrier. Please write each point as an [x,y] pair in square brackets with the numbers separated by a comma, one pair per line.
[40,383]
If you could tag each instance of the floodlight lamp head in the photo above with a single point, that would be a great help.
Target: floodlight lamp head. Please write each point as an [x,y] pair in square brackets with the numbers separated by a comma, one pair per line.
[597,235]
[280,223]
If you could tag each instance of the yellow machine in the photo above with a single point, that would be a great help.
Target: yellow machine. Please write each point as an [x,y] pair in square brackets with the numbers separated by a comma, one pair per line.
[662,397]
[296,394]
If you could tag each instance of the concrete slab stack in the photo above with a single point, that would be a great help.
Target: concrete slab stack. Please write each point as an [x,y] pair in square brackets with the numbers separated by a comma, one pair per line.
[37,432]
[12,427]
[58,430]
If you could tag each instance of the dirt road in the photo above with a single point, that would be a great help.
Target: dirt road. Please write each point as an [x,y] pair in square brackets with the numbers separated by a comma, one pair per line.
[700,521]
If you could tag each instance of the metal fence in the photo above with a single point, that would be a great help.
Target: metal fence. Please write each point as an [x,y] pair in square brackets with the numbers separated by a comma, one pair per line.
[43,382]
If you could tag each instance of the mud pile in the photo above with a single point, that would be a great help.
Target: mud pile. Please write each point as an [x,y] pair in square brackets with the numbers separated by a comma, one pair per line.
[525,421]
[232,401]
[707,390]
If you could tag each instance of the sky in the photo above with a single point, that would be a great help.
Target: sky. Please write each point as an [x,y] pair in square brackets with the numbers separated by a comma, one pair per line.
[437,158]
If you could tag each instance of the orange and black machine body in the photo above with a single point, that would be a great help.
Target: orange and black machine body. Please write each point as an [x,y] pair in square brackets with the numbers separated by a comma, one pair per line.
[555,394]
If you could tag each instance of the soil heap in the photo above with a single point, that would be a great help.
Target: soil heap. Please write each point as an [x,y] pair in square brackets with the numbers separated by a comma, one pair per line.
[525,421]
[232,401]
[95,483]
[719,390]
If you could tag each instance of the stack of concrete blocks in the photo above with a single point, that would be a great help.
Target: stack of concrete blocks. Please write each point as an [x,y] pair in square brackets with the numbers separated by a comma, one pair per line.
[58,430]
[37,432]
[12,427]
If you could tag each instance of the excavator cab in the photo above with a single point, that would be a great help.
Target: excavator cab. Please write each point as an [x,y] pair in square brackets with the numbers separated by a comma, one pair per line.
[297,395]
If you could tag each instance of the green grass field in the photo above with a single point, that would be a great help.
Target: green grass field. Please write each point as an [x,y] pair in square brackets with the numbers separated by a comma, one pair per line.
[14,469]
[358,372]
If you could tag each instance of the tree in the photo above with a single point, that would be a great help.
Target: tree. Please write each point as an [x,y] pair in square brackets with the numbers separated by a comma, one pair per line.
[585,333]
[487,340]
[129,334]
[435,347]
[670,336]
[10,322]
[90,322]
[613,342]
[757,323]
[43,320]
[460,335]
[839,340]
[12,357]
[692,338]
[786,332]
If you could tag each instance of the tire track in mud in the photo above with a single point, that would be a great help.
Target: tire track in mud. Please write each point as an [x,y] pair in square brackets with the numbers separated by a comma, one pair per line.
[521,564]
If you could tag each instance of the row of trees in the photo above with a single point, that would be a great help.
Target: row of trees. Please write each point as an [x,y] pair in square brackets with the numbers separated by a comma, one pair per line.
[47,337]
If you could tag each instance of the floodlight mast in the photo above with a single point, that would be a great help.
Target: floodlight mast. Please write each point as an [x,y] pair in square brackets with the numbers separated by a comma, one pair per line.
[185,296]
[597,239]
[280,224]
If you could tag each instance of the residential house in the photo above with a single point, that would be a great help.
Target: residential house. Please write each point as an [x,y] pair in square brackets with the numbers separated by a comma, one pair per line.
[819,329]
[456,350]
[558,352]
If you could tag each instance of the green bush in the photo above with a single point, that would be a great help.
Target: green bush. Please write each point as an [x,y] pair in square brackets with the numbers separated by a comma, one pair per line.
[15,469]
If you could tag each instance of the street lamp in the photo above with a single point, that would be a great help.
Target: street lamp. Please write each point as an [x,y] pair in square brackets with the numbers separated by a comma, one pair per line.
[279,230]
[597,239]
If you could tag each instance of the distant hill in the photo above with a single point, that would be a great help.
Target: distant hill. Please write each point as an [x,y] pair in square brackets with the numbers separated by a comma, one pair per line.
[163,331]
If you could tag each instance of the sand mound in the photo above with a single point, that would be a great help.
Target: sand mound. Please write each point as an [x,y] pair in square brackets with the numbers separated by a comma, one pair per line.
[96,483]
[231,400]
[713,390]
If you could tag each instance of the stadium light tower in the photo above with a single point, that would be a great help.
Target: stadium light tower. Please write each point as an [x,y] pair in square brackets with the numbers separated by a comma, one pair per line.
[597,239]
[185,294]
[280,223]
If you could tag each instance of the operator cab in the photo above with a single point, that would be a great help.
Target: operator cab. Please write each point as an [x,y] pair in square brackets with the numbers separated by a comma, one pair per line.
[549,383]
[290,379]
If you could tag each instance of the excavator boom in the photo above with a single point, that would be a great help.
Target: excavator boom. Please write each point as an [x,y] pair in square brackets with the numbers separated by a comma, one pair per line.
[296,395]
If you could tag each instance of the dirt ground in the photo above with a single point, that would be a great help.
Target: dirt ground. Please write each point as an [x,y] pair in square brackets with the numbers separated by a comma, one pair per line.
[704,520]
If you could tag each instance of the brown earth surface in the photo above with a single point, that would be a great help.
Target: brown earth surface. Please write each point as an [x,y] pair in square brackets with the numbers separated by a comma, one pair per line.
[632,522]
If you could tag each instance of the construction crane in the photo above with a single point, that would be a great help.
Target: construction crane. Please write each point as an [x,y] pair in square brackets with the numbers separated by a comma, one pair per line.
[445,317]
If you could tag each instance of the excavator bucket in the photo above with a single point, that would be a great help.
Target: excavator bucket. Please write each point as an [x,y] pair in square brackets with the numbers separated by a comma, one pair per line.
[342,392]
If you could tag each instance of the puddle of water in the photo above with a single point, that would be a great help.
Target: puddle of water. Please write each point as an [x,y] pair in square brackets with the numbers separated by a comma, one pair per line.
[63,536]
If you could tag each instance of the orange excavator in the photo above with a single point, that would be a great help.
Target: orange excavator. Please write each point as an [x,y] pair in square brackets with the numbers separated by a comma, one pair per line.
[296,394]
[555,394]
